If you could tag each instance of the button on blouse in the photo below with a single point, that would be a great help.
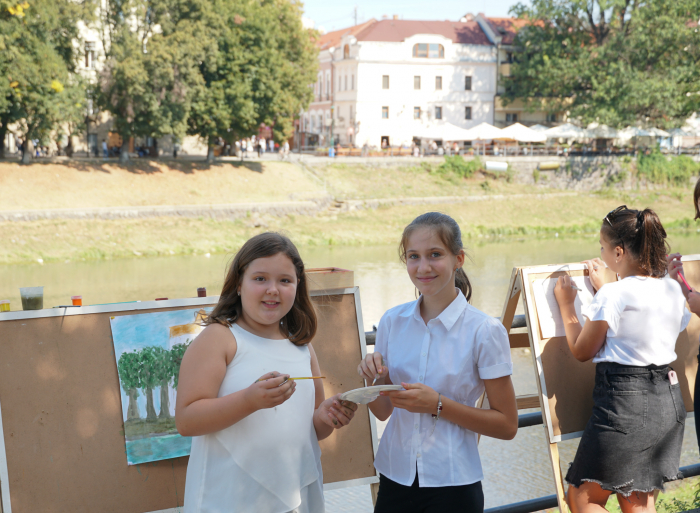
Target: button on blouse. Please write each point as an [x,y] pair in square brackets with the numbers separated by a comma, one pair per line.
[452,354]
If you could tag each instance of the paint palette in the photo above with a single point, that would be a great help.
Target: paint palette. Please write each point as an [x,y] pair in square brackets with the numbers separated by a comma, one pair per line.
[367,394]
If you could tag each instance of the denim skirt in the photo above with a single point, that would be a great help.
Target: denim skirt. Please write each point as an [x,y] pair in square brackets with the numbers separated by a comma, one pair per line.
[632,442]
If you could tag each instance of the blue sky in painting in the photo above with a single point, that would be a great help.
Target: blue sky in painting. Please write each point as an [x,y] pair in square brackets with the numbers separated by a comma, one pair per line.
[133,332]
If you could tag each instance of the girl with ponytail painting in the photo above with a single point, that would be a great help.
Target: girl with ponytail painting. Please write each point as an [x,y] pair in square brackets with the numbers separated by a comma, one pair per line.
[631,445]
[445,353]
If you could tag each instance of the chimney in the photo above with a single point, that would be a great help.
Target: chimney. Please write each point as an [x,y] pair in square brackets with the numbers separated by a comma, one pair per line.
[396,16]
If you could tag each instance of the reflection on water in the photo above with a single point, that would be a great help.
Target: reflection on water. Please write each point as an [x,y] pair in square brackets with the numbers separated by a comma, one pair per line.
[515,470]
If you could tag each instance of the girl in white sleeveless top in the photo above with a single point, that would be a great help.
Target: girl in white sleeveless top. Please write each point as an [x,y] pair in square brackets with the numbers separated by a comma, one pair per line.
[255,445]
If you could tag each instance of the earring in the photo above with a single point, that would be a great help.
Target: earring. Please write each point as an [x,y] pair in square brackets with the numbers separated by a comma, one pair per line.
[239,292]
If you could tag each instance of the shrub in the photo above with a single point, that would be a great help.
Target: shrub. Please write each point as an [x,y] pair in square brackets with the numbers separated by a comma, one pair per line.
[657,168]
[458,166]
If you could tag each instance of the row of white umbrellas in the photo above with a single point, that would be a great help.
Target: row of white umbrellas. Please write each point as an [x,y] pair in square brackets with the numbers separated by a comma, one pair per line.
[539,133]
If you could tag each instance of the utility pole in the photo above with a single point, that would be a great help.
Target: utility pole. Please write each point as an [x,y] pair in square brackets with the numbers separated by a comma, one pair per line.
[355,13]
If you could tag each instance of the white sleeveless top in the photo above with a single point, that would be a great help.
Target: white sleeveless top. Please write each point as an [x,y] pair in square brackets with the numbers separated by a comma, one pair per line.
[269,461]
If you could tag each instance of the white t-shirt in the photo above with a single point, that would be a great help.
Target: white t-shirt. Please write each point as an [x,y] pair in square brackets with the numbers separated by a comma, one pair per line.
[644,316]
[452,354]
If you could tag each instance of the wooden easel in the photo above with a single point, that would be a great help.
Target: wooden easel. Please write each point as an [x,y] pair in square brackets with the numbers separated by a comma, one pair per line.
[565,407]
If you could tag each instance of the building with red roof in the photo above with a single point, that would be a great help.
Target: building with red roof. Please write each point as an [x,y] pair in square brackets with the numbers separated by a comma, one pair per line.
[385,81]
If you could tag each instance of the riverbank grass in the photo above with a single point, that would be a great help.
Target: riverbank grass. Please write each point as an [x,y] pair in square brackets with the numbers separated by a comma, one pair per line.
[514,217]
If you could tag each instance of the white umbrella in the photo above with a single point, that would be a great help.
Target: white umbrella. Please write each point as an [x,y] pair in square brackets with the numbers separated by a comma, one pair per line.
[484,132]
[633,131]
[521,133]
[598,131]
[679,132]
[566,131]
[657,132]
[444,131]
[539,128]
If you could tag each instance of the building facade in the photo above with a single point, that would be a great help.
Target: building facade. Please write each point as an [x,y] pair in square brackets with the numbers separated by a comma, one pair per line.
[383,83]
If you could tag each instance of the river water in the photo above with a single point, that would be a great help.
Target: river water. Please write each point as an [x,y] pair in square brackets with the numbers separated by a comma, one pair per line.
[514,470]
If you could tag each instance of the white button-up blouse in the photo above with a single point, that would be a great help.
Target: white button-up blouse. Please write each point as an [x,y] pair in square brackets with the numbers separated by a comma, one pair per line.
[452,354]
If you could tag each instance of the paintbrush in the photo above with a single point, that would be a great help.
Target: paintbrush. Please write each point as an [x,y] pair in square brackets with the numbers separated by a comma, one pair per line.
[310,377]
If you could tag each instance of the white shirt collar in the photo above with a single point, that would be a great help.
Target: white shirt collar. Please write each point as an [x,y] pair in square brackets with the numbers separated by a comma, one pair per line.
[448,317]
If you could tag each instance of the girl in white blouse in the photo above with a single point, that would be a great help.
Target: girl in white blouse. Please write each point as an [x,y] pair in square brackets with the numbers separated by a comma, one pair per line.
[445,353]
[631,445]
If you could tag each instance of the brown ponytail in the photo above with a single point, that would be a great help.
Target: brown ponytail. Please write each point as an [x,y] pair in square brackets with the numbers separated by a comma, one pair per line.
[451,236]
[696,198]
[640,233]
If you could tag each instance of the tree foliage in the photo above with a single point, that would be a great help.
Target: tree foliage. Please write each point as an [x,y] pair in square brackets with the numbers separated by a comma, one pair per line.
[616,62]
[260,72]
[39,44]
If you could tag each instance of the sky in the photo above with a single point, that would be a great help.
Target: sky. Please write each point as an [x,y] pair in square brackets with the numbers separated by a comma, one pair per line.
[336,15]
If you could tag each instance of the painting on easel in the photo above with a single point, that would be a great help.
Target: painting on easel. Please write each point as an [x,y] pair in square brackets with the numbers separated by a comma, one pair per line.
[149,348]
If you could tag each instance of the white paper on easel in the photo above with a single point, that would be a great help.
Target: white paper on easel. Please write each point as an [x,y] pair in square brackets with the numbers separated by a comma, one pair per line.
[551,323]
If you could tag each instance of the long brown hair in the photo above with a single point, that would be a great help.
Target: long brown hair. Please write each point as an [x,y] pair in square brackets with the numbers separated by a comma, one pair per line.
[299,325]
[696,198]
[451,236]
[640,233]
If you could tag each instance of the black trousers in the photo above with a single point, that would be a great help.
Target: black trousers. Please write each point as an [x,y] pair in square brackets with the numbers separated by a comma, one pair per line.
[396,498]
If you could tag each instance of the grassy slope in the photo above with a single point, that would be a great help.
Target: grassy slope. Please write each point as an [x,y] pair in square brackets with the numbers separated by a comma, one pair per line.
[97,184]
[90,239]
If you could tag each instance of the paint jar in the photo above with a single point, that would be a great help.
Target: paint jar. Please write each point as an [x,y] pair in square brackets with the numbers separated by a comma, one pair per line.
[77,300]
[202,292]
[5,305]
[32,298]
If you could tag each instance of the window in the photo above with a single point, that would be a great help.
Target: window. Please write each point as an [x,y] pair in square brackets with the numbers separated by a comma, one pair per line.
[467,112]
[328,87]
[346,82]
[351,116]
[438,83]
[428,51]
[551,118]
[511,118]
[416,112]
[346,52]
[438,112]
[385,81]
[416,82]
[468,83]
[385,112]
[352,83]
[90,54]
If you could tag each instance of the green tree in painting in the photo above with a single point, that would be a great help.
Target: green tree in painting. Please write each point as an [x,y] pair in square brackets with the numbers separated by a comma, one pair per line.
[164,373]
[129,376]
[176,354]
[148,376]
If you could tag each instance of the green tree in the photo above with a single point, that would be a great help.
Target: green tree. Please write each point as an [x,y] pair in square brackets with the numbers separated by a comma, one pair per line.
[177,353]
[128,366]
[39,45]
[148,377]
[154,47]
[263,64]
[613,61]
[164,370]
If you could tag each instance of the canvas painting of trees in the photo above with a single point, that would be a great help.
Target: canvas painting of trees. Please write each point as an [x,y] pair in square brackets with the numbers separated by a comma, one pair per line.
[148,349]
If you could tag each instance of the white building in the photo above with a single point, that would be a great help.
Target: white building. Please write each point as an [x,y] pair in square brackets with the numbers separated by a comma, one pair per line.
[384,82]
